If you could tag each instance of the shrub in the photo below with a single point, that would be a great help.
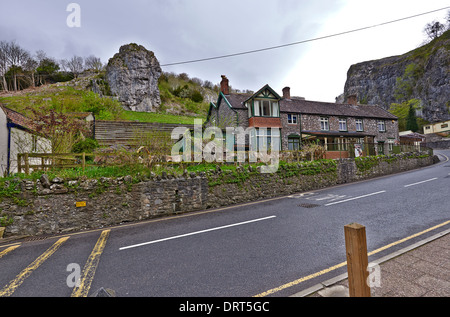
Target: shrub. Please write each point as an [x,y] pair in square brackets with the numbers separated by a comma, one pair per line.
[196,96]
[87,146]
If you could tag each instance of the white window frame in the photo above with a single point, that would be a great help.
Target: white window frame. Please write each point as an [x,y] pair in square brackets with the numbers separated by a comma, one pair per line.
[381,126]
[292,118]
[343,124]
[264,137]
[273,109]
[359,125]
[324,124]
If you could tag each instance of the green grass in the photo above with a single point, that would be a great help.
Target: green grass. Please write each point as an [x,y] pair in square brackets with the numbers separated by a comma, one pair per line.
[68,99]
[157,117]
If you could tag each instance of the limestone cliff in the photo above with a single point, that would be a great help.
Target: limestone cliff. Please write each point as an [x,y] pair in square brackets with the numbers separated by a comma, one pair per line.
[427,70]
[132,75]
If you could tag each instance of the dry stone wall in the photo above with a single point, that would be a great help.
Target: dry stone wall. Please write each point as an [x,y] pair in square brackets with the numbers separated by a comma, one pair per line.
[54,206]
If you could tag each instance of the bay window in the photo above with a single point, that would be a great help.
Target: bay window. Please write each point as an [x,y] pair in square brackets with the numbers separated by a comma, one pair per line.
[262,139]
[265,108]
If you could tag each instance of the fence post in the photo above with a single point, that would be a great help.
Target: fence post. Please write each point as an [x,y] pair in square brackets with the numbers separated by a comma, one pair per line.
[27,165]
[357,260]
[83,162]
[19,163]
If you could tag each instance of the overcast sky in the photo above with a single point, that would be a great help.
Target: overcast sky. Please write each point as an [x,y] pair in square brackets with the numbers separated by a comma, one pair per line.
[182,30]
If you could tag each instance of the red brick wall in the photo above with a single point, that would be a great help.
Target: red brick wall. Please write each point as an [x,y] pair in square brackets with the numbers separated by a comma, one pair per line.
[336,154]
[262,122]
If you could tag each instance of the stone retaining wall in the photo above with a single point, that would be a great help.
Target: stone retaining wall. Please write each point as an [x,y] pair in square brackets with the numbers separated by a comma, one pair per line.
[443,144]
[57,206]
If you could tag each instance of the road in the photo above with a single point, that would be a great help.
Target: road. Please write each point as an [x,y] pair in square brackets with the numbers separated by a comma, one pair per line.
[276,247]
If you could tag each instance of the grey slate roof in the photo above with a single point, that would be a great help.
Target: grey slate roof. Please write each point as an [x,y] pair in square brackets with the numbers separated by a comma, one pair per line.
[334,109]
[298,105]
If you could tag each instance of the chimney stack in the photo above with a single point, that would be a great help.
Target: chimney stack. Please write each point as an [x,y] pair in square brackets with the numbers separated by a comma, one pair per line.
[352,99]
[287,93]
[224,87]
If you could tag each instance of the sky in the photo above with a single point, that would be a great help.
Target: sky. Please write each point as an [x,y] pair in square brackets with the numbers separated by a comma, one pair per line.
[184,30]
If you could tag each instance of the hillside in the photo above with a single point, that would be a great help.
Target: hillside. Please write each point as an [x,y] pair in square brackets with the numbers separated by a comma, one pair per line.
[182,99]
[422,74]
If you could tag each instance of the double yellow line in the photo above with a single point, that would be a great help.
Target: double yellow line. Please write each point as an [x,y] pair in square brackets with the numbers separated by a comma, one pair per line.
[91,265]
[14,284]
[87,275]
[335,267]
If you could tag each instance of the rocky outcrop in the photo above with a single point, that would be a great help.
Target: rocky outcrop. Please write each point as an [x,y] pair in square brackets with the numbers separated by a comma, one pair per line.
[132,75]
[375,82]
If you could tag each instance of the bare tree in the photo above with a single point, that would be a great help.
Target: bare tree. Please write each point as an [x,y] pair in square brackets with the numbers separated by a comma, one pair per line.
[93,62]
[4,48]
[30,66]
[434,29]
[16,56]
[74,65]
[40,55]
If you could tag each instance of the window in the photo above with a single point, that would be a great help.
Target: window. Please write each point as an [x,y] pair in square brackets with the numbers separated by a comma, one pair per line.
[380,146]
[390,145]
[342,124]
[266,108]
[266,111]
[293,143]
[359,125]
[256,108]
[264,137]
[324,124]
[292,118]
[342,144]
[381,126]
[275,112]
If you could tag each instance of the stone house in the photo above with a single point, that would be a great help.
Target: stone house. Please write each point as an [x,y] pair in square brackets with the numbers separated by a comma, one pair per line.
[336,126]
[17,135]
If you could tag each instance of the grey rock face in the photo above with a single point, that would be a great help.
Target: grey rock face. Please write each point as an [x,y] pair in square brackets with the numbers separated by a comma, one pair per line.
[132,75]
[374,82]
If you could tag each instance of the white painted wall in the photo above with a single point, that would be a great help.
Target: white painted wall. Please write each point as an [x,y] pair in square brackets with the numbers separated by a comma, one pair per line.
[25,142]
[3,143]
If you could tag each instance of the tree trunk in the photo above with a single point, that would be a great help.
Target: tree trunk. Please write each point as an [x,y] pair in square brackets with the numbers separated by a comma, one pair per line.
[5,85]
[15,82]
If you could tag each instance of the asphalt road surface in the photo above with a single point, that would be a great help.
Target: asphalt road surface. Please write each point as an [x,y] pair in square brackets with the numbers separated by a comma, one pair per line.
[275,247]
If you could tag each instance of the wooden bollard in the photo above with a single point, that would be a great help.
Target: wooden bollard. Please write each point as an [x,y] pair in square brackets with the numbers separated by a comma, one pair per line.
[357,260]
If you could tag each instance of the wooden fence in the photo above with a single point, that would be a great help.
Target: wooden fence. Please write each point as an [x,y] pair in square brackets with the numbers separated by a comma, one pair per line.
[27,162]
[46,161]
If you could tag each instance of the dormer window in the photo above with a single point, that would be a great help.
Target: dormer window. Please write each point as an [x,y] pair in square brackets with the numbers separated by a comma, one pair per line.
[264,103]
[265,108]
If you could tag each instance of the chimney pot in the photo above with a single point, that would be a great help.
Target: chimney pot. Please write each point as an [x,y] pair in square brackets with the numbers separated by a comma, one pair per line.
[224,87]
[352,99]
[287,93]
